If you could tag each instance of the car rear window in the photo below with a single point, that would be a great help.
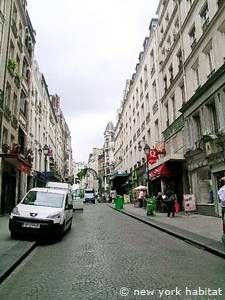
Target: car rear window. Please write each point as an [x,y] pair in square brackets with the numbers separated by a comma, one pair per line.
[47,199]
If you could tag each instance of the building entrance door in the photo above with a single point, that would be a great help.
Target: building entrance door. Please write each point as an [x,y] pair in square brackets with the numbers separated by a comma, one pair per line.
[8,192]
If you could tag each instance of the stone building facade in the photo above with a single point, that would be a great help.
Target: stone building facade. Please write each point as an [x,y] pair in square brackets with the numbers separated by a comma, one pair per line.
[184,115]
[28,119]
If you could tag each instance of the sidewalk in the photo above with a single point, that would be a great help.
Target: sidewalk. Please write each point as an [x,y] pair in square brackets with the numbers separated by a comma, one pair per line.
[12,252]
[203,231]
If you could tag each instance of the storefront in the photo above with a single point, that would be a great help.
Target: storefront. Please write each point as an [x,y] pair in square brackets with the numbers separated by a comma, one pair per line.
[14,180]
[205,147]
[167,176]
[120,183]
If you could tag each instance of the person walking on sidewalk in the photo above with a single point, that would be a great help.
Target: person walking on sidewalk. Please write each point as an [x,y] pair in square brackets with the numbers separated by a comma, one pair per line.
[170,202]
[221,194]
[141,198]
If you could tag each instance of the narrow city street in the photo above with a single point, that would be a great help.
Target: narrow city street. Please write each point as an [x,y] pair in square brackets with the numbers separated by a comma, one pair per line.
[107,254]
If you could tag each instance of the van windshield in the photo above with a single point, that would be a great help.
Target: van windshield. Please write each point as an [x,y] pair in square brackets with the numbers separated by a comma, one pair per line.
[47,199]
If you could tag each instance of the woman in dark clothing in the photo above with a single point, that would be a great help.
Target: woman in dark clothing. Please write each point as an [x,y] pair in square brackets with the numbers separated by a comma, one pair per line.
[170,202]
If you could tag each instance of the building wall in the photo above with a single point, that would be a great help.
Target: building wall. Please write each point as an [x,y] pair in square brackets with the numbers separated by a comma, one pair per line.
[187,43]
[138,118]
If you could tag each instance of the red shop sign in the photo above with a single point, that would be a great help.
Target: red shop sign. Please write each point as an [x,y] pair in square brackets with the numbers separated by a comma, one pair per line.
[152,156]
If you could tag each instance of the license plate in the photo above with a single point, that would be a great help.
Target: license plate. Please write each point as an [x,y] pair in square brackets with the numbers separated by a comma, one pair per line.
[31,225]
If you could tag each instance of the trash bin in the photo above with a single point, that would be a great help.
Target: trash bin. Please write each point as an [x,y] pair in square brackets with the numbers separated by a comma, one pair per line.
[151,206]
[119,201]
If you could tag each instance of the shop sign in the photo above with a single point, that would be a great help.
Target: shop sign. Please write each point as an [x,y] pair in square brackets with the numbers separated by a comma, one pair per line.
[160,147]
[189,202]
[152,156]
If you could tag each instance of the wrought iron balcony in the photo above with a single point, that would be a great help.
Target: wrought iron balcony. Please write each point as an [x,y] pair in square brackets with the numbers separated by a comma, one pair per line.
[176,126]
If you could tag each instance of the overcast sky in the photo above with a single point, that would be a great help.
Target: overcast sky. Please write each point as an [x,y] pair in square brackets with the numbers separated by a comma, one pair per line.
[87,49]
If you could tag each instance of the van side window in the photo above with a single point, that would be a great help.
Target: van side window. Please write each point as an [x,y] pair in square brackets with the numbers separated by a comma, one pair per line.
[67,202]
[70,200]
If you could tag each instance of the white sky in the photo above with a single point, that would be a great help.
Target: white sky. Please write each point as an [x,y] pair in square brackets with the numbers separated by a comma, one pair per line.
[87,49]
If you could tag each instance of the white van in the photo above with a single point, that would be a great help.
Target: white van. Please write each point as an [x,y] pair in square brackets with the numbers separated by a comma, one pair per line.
[78,199]
[43,211]
[59,185]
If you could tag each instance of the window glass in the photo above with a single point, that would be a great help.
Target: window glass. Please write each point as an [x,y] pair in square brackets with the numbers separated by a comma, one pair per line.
[47,199]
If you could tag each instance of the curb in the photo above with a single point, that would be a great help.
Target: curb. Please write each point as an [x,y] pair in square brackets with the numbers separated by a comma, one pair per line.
[184,236]
[16,262]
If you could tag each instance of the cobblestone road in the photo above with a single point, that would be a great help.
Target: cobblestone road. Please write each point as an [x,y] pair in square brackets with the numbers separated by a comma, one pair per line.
[105,251]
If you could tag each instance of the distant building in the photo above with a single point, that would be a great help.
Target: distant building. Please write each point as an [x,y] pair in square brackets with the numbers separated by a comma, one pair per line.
[108,153]
[93,163]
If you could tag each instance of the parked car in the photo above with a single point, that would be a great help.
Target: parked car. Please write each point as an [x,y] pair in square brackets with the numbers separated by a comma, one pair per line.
[42,211]
[89,196]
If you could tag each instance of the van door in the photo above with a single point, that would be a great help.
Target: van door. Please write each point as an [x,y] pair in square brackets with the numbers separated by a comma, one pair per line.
[68,209]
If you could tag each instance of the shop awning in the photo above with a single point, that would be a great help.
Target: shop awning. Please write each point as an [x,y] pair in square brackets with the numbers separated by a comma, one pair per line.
[160,171]
[17,161]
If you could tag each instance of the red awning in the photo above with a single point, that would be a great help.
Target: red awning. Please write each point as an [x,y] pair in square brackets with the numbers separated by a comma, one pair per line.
[160,171]
[17,161]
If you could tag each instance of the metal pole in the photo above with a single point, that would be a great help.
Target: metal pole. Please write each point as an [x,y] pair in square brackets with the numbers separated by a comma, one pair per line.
[45,169]
[147,175]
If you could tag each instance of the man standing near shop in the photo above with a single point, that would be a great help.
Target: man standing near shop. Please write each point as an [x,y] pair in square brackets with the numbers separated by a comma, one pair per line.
[221,194]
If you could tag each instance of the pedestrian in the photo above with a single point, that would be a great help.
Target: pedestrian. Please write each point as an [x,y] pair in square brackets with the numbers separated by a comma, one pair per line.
[159,202]
[141,198]
[170,202]
[221,194]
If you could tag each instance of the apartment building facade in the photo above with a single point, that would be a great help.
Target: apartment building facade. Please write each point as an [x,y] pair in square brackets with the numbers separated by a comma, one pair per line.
[28,120]
[189,66]
[17,56]
[138,119]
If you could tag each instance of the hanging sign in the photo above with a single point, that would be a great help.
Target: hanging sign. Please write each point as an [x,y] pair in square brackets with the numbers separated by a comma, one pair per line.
[152,156]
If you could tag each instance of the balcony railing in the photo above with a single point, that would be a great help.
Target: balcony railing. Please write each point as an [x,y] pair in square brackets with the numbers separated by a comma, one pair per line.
[14,29]
[17,80]
[155,107]
[152,70]
[148,118]
[7,113]
[176,126]
[14,122]
[220,3]
[20,44]
[205,24]
[138,132]
[146,84]
[1,99]
[193,44]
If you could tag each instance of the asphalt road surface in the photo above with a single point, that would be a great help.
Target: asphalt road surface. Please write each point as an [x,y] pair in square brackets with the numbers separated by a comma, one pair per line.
[108,255]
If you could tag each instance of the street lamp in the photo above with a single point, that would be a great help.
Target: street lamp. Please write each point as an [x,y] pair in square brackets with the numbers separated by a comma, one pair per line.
[146,151]
[45,151]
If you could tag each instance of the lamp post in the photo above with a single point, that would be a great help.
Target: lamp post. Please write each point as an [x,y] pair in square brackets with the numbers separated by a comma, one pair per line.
[45,151]
[146,151]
